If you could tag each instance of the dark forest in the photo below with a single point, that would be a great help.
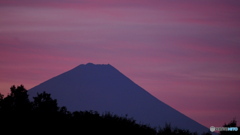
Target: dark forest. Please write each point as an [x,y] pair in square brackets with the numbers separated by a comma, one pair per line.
[19,114]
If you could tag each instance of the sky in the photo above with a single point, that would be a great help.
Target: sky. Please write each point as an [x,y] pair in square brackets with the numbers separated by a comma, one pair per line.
[185,53]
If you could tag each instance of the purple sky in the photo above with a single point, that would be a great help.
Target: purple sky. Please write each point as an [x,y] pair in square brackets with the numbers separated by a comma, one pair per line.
[185,53]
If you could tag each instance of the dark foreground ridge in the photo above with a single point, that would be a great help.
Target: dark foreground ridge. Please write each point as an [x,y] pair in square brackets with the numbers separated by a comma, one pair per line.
[43,115]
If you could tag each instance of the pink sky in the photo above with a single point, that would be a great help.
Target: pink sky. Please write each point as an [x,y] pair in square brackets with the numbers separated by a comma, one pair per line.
[185,53]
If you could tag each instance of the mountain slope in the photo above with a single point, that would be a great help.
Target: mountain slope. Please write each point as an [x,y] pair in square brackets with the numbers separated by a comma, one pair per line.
[103,88]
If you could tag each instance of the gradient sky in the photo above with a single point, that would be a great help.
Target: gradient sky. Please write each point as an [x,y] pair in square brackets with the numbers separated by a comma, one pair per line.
[185,53]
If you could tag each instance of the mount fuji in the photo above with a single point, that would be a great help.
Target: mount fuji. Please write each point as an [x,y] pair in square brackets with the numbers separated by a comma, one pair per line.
[103,88]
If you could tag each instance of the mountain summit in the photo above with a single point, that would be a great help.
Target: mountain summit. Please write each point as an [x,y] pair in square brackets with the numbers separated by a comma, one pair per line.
[103,88]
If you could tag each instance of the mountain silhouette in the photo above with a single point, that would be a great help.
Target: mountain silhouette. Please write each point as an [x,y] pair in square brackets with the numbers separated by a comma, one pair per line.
[103,88]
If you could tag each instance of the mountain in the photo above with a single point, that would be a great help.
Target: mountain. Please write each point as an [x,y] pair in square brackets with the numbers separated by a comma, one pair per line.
[103,88]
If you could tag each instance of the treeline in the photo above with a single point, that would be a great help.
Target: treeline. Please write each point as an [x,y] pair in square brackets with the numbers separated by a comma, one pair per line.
[43,115]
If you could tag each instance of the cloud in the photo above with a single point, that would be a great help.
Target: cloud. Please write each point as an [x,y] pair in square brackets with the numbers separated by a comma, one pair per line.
[184,47]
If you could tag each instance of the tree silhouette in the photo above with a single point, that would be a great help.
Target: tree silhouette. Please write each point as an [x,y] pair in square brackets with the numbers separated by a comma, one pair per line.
[20,99]
[232,123]
[15,108]
[1,97]
[43,115]
[16,102]
[44,103]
